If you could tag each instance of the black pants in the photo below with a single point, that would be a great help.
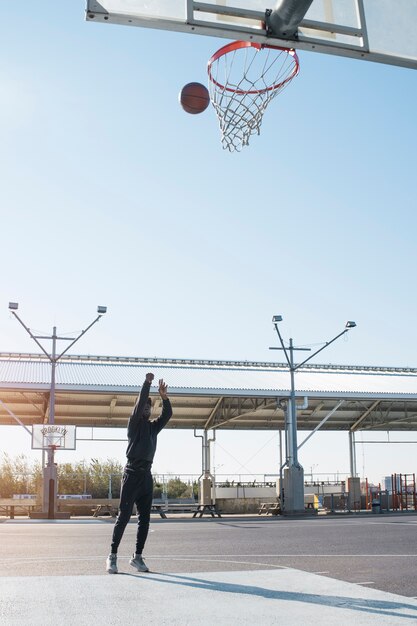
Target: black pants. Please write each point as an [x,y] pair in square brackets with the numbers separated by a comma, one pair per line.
[137,488]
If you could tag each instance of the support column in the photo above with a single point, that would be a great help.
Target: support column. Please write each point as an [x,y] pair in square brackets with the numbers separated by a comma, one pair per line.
[294,491]
[280,488]
[352,453]
[354,486]
[49,487]
[294,473]
[206,482]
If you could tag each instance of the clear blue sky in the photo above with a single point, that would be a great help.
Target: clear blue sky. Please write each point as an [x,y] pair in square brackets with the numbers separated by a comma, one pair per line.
[112,195]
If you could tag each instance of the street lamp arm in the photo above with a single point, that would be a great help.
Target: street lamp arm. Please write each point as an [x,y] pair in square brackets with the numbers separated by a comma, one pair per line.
[79,337]
[31,334]
[283,346]
[320,349]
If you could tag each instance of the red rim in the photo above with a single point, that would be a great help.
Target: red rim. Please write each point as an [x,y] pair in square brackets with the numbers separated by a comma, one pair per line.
[236,45]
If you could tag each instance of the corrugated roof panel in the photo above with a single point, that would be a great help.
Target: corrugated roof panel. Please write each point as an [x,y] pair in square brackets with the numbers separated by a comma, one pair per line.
[25,371]
[199,378]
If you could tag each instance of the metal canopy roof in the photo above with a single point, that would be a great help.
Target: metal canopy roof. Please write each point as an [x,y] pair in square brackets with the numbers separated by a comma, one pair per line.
[100,391]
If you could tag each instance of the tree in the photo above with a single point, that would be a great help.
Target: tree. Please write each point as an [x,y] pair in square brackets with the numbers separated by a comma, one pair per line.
[18,476]
[96,478]
[176,488]
[105,477]
[158,489]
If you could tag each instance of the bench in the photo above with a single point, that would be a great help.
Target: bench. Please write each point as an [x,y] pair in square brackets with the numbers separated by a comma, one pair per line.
[162,507]
[103,509]
[181,508]
[159,508]
[269,508]
[184,505]
[9,506]
[9,510]
[109,509]
[206,508]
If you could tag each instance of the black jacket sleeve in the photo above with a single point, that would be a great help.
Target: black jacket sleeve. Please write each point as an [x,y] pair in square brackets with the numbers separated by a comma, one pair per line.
[165,416]
[138,409]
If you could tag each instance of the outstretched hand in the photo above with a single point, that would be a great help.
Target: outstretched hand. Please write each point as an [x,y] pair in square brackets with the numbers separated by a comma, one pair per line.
[149,378]
[163,389]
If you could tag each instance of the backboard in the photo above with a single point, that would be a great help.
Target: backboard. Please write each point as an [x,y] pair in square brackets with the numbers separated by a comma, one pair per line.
[383,31]
[47,436]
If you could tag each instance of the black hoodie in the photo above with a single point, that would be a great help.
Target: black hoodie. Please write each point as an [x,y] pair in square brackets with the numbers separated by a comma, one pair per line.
[142,433]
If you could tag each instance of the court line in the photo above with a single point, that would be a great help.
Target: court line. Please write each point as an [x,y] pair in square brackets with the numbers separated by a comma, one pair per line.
[193,557]
[101,558]
[216,560]
[410,523]
[218,556]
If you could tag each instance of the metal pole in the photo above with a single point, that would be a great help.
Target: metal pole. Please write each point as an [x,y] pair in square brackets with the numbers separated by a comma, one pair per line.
[294,475]
[6,408]
[52,394]
[286,432]
[293,455]
[52,391]
[280,466]
[50,479]
[323,421]
[287,16]
[206,454]
[352,453]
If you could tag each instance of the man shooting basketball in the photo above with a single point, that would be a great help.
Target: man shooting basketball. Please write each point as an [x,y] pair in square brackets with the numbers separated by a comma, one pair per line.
[137,482]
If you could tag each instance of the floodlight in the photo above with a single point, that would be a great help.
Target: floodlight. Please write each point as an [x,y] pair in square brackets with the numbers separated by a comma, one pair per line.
[13,306]
[101,309]
[276,319]
[350,325]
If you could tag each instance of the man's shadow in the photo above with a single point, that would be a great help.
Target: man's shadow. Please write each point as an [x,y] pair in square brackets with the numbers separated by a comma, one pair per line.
[378,607]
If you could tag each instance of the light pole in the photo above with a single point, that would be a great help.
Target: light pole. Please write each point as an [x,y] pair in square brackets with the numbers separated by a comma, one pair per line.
[110,495]
[311,471]
[294,474]
[49,473]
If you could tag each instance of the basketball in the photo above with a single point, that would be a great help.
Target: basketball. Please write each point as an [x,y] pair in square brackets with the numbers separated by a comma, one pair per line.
[194,98]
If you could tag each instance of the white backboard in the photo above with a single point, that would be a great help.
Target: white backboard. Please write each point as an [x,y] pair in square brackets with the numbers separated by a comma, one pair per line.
[46,436]
[375,30]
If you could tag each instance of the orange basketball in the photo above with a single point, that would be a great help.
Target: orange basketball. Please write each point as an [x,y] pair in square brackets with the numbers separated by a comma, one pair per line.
[194,98]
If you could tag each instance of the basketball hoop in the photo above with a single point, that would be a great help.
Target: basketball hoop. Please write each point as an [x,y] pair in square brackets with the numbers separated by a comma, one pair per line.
[53,437]
[244,77]
[52,442]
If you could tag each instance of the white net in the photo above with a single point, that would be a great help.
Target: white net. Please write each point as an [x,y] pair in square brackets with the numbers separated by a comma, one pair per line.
[243,79]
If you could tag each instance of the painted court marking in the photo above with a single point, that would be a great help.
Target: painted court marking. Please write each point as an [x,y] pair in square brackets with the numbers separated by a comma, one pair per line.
[207,558]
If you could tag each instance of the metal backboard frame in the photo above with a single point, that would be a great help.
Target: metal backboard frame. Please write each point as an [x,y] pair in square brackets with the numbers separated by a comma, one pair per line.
[47,436]
[383,31]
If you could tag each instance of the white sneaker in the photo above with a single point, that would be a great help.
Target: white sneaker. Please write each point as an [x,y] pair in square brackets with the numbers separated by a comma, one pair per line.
[111,564]
[139,563]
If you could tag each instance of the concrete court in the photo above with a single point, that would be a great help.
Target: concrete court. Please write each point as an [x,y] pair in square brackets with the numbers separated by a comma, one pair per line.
[53,573]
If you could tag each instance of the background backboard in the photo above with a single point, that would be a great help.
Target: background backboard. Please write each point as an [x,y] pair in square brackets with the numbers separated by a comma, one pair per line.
[44,436]
[373,30]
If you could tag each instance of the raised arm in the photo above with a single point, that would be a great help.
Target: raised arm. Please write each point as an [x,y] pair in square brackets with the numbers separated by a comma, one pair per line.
[141,401]
[166,414]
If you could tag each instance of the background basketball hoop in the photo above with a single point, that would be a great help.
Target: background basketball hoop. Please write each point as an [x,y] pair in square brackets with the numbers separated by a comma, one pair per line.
[243,79]
[53,437]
